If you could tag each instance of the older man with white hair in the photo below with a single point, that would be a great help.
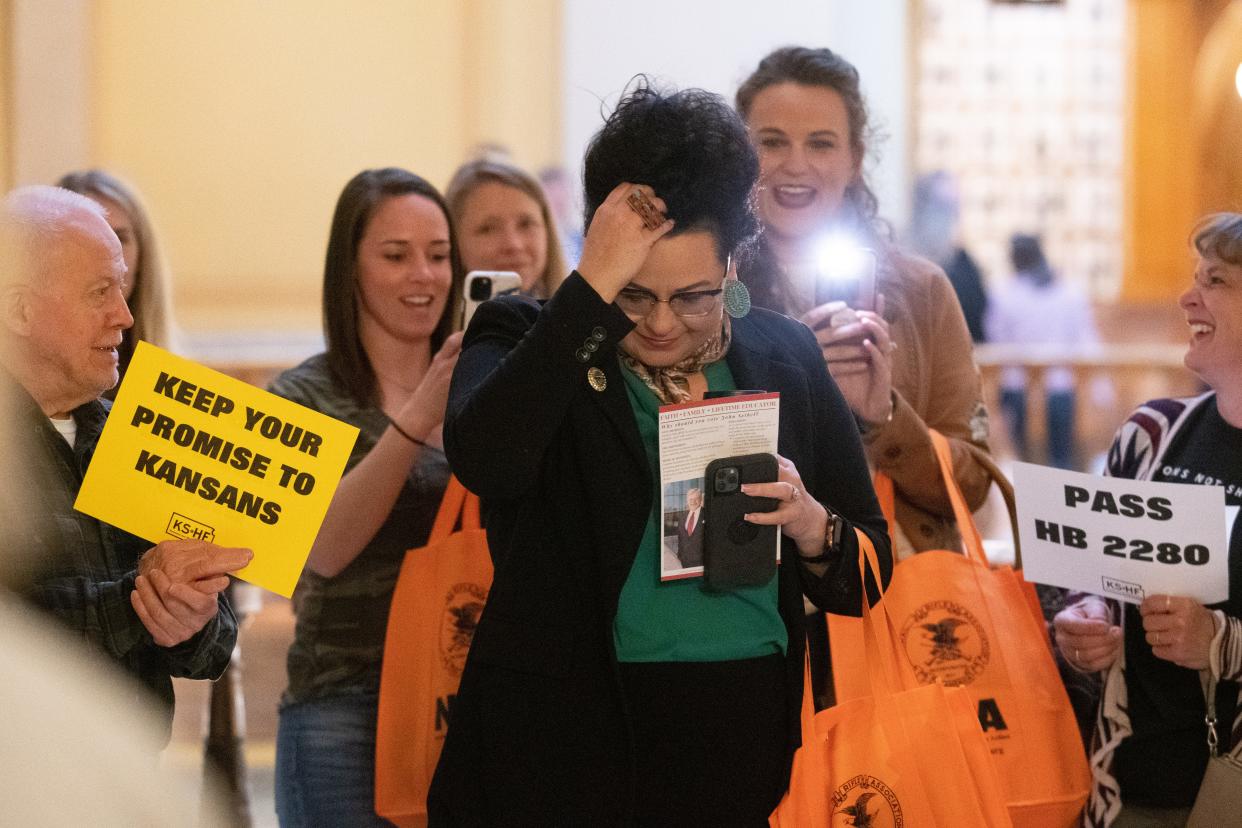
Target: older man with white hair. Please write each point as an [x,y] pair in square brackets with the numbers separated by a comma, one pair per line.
[158,612]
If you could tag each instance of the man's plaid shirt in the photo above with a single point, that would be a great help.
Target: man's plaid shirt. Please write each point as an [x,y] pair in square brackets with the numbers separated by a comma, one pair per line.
[80,569]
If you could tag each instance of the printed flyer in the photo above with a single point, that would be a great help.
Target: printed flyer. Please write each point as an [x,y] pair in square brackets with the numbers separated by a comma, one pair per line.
[691,436]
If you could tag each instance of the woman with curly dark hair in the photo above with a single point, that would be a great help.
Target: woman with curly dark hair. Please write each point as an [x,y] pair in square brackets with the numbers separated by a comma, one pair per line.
[905,365]
[595,694]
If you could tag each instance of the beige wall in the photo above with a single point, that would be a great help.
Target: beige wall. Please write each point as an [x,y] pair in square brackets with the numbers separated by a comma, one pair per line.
[240,122]
[6,115]
[509,52]
[48,118]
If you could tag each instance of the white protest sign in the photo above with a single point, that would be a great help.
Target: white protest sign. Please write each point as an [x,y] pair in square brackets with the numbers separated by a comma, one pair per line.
[1124,539]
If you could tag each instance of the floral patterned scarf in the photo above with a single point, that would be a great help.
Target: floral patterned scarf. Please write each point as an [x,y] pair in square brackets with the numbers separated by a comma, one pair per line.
[671,385]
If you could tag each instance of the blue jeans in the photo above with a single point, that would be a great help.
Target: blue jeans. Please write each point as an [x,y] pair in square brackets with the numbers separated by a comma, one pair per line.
[1059,421]
[325,763]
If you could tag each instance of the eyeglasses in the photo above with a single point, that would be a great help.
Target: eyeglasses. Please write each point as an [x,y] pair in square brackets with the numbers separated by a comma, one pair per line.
[637,303]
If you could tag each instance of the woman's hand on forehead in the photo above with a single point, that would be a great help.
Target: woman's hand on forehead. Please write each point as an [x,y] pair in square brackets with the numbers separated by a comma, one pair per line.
[620,238]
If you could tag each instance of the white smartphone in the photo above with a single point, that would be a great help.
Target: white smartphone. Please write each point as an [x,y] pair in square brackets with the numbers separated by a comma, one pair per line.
[482,285]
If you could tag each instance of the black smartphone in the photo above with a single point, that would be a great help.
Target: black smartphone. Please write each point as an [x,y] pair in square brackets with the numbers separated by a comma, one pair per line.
[737,553]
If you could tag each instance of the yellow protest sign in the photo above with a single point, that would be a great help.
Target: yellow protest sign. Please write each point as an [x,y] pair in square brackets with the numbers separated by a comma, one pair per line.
[189,452]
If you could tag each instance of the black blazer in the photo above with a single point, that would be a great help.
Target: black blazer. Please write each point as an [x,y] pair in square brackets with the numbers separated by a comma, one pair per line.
[690,544]
[539,733]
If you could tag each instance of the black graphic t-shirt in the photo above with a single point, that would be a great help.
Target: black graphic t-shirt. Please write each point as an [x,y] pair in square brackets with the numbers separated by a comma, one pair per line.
[1162,764]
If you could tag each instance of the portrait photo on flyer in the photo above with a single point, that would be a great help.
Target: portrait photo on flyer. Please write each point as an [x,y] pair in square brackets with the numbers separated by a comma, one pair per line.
[681,547]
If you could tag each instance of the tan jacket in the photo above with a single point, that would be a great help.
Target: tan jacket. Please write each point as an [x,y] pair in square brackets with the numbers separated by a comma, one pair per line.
[936,385]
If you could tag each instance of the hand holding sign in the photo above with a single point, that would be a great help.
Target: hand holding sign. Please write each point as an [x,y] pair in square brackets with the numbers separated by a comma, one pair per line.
[189,561]
[175,591]
[172,613]
[1179,630]
[1086,635]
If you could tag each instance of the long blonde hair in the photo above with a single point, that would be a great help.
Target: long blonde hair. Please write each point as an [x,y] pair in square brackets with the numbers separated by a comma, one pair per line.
[473,173]
[151,300]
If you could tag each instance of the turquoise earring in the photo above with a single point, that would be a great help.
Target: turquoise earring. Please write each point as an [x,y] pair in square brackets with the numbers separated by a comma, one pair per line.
[736,298]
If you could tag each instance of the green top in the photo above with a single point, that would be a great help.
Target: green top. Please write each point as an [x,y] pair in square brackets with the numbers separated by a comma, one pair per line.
[681,620]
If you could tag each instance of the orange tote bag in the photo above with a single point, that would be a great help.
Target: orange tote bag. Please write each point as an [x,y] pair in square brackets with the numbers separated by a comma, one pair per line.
[894,758]
[960,623]
[439,596]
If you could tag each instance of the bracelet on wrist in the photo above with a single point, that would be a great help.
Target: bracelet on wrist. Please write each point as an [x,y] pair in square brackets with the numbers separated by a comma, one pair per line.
[407,435]
[865,426]
[832,540]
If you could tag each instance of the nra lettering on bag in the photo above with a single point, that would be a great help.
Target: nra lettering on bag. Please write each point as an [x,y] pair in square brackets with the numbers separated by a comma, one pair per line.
[990,717]
[865,800]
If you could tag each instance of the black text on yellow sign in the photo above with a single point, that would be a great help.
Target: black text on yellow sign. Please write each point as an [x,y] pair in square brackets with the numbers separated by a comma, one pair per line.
[189,452]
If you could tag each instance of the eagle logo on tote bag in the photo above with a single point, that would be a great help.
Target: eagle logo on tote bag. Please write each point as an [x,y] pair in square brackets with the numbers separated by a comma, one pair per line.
[462,608]
[945,644]
[866,802]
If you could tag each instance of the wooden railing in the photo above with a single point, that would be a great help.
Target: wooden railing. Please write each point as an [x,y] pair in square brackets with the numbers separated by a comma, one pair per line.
[1136,372]
[1160,356]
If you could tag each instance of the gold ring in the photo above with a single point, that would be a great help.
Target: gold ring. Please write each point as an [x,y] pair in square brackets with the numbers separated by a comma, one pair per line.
[793,498]
[1157,644]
